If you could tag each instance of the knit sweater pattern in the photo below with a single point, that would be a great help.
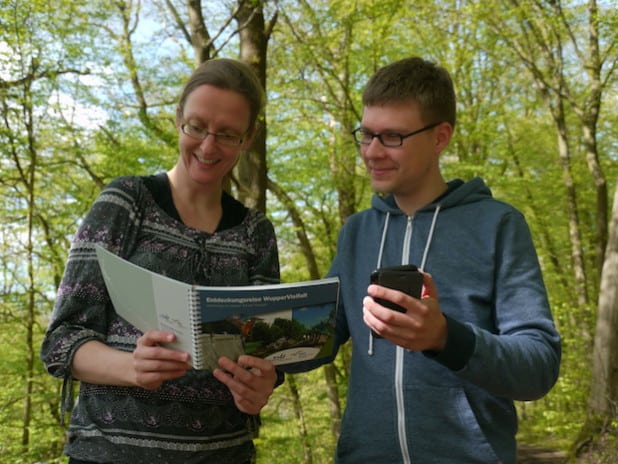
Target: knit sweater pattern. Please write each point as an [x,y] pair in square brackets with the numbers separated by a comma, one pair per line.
[192,419]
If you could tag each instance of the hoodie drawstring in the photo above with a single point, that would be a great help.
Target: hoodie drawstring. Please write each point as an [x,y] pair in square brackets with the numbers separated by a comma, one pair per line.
[384,230]
[423,261]
[429,237]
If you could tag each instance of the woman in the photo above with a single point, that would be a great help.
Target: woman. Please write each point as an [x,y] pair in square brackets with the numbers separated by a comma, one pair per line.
[140,402]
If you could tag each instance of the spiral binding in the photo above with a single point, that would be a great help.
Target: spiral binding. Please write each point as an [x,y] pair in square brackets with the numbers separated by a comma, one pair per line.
[195,319]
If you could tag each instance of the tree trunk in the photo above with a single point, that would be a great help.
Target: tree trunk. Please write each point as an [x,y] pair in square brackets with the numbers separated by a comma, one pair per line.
[604,392]
[299,227]
[577,253]
[29,180]
[125,44]
[199,36]
[334,405]
[251,168]
[300,418]
[603,400]
[589,114]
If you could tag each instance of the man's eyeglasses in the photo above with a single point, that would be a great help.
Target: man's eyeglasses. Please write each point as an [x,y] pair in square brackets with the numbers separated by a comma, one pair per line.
[388,139]
[195,132]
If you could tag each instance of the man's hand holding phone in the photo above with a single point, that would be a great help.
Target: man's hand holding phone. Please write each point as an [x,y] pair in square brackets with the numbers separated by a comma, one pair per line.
[403,308]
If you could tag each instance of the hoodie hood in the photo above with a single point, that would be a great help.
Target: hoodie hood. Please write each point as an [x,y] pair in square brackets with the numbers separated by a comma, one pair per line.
[458,193]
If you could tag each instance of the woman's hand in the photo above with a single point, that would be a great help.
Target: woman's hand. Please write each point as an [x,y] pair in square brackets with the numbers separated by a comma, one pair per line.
[153,364]
[251,381]
[148,366]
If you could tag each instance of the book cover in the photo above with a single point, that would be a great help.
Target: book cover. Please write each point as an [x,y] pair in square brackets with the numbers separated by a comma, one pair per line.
[290,323]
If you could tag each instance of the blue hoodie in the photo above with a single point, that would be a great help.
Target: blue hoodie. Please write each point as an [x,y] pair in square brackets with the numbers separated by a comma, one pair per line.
[455,406]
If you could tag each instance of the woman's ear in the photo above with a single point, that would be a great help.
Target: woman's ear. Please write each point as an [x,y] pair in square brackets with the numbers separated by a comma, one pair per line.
[250,136]
[178,117]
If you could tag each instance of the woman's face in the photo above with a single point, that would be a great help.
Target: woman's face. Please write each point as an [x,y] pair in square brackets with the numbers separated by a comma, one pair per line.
[216,111]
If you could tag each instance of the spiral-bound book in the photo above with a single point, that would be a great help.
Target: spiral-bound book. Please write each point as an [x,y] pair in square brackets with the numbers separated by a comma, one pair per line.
[291,324]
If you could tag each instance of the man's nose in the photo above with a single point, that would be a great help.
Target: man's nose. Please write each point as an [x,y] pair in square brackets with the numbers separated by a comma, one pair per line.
[375,147]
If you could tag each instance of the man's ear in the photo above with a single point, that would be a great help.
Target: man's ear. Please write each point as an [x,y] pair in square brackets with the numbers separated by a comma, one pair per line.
[444,132]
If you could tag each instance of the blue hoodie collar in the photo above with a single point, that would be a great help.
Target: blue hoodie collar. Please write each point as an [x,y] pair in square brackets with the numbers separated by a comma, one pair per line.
[458,193]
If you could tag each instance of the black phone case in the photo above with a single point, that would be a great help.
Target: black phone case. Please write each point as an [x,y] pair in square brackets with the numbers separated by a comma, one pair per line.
[405,278]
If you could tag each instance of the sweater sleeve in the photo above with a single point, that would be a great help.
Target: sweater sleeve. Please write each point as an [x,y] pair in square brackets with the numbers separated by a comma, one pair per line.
[82,310]
[520,359]
[460,341]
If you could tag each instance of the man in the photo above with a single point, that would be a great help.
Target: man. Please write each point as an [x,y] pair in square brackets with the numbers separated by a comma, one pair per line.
[436,384]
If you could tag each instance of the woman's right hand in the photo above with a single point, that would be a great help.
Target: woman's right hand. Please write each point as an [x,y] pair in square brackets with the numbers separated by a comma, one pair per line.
[148,366]
[153,363]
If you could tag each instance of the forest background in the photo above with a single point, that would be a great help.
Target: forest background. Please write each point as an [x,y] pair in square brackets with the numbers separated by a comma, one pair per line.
[88,92]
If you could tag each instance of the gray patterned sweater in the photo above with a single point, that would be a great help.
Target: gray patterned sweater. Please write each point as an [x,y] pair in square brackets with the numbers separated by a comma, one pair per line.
[189,420]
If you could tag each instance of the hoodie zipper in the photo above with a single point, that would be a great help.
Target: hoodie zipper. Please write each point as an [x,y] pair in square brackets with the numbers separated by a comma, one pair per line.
[401,412]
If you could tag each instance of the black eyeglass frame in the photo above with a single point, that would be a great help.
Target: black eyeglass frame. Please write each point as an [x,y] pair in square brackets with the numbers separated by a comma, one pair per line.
[358,131]
[233,139]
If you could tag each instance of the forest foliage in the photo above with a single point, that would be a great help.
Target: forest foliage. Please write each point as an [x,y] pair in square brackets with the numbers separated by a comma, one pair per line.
[88,92]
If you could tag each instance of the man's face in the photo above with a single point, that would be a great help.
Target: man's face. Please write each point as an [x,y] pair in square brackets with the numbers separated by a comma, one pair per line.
[408,170]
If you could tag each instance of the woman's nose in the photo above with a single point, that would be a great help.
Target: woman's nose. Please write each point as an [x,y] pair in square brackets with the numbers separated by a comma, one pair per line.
[208,142]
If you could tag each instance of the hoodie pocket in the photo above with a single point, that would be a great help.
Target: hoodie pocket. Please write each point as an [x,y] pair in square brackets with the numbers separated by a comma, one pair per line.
[442,427]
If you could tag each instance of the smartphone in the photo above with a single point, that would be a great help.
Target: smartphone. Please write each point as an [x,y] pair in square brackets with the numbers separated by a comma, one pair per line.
[406,278]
